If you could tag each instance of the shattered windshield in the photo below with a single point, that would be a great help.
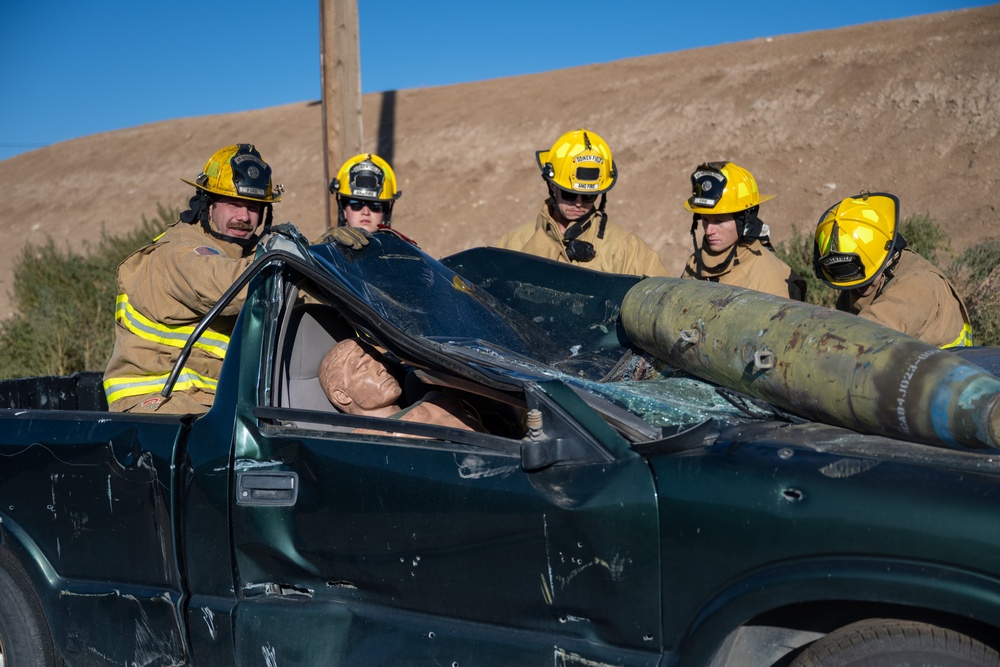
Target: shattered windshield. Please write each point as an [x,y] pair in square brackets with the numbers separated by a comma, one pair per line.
[423,298]
[666,396]
[564,326]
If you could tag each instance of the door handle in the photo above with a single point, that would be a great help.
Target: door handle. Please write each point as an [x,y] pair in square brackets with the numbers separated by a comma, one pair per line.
[267,488]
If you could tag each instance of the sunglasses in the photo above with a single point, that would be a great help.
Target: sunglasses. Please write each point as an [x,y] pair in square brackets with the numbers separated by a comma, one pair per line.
[373,206]
[571,197]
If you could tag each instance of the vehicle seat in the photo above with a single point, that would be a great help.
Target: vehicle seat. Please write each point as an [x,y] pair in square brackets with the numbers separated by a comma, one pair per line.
[311,331]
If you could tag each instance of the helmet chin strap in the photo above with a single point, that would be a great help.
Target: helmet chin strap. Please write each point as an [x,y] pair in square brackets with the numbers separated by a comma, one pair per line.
[749,225]
[577,250]
[899,243]
[197,208]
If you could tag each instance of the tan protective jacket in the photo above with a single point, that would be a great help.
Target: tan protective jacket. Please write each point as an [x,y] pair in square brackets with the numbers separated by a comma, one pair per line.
[918,300]
[754,267]
[618,252]
[164,289]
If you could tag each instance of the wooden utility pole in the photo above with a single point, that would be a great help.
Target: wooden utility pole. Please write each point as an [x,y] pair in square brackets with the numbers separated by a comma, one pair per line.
[340,78]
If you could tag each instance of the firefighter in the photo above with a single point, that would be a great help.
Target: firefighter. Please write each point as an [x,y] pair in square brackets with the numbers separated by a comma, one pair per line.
[735,246]
[858,250]
[365,189]
[166,287]
[572,225]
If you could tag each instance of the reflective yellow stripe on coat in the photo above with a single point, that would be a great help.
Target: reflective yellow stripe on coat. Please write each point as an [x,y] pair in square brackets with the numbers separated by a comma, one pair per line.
[214,343]
[123,387]
[964,339]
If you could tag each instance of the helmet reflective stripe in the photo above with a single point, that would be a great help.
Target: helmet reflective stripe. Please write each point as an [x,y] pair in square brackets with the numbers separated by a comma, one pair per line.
[138,385]
[964,339]
[212,342]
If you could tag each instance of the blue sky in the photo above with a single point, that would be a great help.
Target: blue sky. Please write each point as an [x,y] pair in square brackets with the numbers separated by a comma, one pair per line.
[69,69]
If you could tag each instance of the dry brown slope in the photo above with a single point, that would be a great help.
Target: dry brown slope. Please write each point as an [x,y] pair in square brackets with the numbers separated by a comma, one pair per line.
[911,106]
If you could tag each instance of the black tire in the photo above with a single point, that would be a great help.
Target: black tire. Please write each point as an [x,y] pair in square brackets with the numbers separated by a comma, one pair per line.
[25,640]
[892,643]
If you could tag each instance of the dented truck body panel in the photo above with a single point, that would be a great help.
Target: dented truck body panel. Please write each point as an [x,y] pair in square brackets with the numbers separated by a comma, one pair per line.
[269,532]
[817,512]
[87,498]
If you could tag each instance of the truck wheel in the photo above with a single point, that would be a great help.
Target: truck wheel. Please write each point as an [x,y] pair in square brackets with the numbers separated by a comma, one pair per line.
[887,642]
[24,635]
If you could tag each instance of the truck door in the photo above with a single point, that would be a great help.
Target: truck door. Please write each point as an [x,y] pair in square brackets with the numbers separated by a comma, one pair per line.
[363,549]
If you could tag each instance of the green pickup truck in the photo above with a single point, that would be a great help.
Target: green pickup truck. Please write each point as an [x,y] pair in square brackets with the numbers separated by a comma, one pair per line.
[613,510]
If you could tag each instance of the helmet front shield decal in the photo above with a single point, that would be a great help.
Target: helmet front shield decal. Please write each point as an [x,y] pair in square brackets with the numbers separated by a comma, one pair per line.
[707,185]
[366,180]
[842,266]
[251,175]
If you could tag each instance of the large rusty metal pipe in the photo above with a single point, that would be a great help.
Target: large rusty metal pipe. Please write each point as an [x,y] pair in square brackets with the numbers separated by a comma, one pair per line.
[815,362]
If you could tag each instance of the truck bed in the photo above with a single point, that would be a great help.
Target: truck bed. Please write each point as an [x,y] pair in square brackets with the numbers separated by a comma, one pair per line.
[79,391]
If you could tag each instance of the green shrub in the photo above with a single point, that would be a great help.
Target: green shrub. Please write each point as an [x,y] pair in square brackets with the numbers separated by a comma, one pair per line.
[924,237]
[797,252]
[64,303]
[974,276]
[979,260]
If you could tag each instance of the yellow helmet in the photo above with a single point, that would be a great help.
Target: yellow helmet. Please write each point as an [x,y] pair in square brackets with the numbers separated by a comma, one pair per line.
[579,161]
[723,187]
[855,239]
[238,171]
[366,176]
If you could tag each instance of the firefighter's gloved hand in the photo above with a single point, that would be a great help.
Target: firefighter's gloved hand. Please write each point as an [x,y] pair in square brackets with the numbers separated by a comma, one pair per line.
[354,238]
[286,229]
[287,238]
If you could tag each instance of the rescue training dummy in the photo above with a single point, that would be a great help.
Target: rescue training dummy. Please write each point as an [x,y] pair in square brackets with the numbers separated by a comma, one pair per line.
[858,250]
[735,247]
[572,226]
[356,380]
[166,287]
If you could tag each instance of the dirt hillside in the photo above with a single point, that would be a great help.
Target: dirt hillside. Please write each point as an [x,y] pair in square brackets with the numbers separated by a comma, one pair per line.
[909,106]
